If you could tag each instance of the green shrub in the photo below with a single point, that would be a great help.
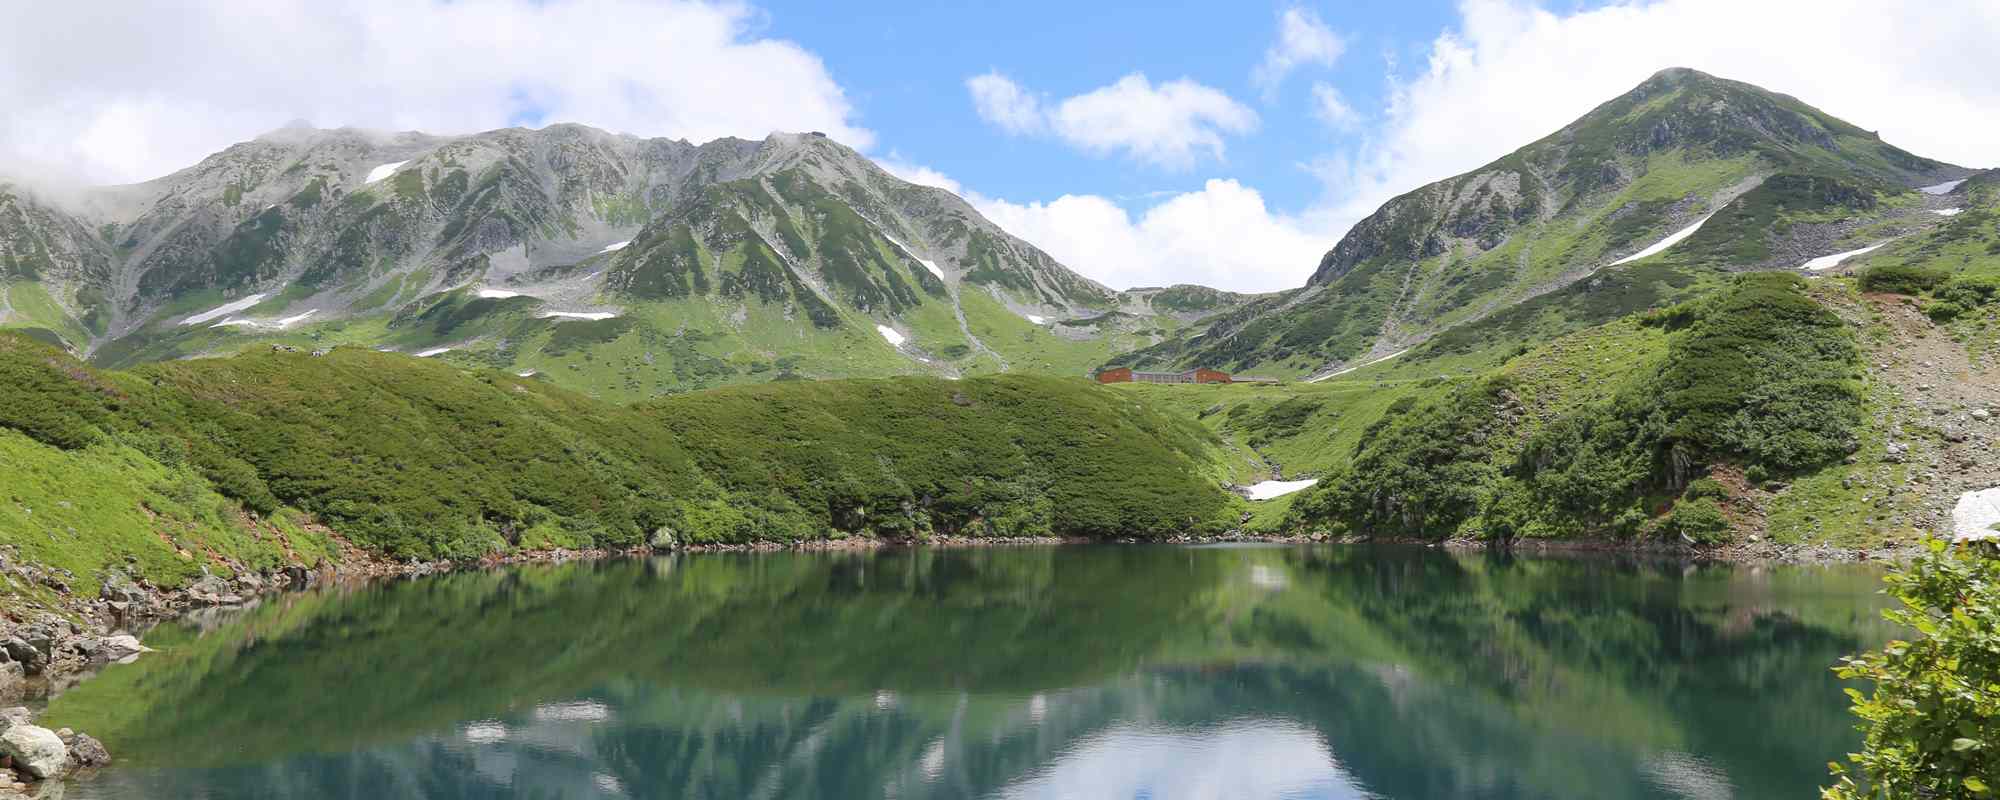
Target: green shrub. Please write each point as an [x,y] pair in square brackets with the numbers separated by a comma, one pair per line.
[1900,279]
[1700,521]
[1705,487]
[1962,294]
[1932,720]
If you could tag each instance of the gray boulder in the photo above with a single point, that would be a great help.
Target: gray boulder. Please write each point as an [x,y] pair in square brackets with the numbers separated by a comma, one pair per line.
[87,751]
[120,647]
[36,750]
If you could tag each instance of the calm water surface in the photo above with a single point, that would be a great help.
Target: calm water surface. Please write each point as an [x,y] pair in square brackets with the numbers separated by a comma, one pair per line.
[1081,672]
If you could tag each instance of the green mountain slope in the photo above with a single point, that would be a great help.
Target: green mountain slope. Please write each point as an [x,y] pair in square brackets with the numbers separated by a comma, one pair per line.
[1776,181]
[239,461]
[729,262]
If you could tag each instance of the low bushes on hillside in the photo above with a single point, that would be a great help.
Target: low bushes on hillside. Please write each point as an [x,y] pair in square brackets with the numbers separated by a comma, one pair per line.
[419,458]
[1759,376]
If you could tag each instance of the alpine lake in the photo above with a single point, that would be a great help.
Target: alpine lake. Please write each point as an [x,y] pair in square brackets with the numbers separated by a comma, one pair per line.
[1138,671]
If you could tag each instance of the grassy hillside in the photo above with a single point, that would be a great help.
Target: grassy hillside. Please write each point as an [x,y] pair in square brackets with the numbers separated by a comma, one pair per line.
[1777,182]
[218,462]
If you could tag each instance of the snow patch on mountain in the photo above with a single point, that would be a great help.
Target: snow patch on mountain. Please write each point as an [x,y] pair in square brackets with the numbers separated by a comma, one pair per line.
[224,310]
[591,315]
[1829,262]
[928,264]
[1357,366]
[1942,188]
[383,171]
[1662,245]
[1038,320]
[1948,212]
[497,294]
[1270,489]
[615,246]
[896,338]
[433,351]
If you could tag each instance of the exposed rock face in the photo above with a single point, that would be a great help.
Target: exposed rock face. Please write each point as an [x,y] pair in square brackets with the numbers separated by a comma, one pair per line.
[35,750]
[346,220]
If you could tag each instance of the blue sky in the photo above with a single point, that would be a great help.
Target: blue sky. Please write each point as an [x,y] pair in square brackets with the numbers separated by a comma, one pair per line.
[1134,142]
[905,71]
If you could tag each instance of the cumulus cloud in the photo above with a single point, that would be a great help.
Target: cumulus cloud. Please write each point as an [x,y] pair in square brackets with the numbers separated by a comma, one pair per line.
[1223,236]
[163,85]
[1172,124]
[1302,39]
[1512,71]
[1001,101]
[896,165]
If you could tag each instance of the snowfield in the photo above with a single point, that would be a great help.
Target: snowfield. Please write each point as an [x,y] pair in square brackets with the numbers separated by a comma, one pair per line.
[497,294]
[1976,514]
[1662,245]
[592,315]
[1949,212]
[1829,262]
[1035,319]
[1269,489]
[889,333]
[1942,188]
[384,171]
[289,321]
[615,247]
[433,351]
[224,310]
[1358,366]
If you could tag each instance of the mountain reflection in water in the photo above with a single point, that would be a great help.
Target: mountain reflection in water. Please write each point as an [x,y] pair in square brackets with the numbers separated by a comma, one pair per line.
[1072,672]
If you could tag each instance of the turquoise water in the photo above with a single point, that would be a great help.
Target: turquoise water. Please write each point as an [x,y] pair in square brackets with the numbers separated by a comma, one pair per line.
[1072,672]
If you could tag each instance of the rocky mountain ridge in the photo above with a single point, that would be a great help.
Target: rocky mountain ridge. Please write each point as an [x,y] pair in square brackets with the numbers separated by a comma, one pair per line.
[794,253]
[1681,149]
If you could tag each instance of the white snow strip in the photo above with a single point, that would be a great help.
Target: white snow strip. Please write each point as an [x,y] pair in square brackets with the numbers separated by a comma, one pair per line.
[1662,245]
[288,321]
[232,323]
[1942,188]
[889,333]
[615,246]
[928,264]
[527,374]
[224,310]
[497,294]
[383,171]
[1829,262]
[1949,212]
[433,351]
[1976,514]
[1357,366]
[1270,489]
[1035,319]
[576,315]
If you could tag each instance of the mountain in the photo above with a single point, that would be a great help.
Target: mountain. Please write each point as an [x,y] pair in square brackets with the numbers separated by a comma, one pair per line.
[1773,182]
[616,264]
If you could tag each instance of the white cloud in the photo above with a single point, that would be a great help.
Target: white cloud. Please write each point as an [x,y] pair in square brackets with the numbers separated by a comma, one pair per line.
[1512,72]
[1001,101]
[1171,125]
[1331,108]
[1222,236]
[1302,39]
[896,165]
[161,85]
